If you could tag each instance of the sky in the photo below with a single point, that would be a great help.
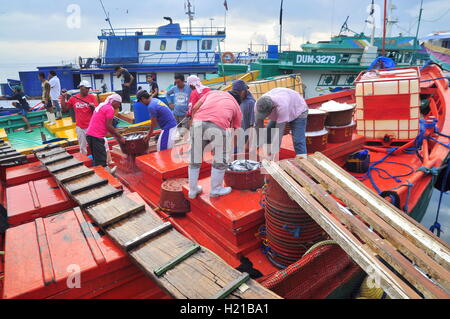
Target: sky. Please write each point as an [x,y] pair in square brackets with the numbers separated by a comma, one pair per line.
[45,32]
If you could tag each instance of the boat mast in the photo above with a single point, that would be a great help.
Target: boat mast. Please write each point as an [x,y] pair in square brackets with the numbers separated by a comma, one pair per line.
[384,28]
[107,18]
[372,13]
[190,12]
[418,23]
[281,24]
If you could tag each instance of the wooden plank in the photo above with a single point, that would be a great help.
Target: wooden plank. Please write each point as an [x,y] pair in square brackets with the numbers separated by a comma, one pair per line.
[362,255]
[46,148]
[373,240]
[13,153]
[113,210]
[96,195]
[232,286]
[73,173]
[50,153]
[132,244]
[161,271]
[84,183]
[198,277]
[12,159]
[406,247]
[407,226]
[64,165]
[48,160]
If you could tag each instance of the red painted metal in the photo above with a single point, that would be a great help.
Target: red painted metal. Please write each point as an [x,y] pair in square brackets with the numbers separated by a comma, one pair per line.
[33,171]
[341,134]
[399,107]
[103,173]
[40,258]
[172,200]
[35,199]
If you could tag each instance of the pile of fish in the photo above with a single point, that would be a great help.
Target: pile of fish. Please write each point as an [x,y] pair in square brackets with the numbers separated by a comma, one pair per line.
[244,166]
[135,136]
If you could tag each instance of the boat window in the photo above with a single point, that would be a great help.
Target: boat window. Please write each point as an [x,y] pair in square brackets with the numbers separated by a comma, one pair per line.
[147,45]
[163,45]
[446,44]
[206,44]
[179,45]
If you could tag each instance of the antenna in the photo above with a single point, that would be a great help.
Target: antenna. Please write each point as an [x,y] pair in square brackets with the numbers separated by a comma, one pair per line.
[107,18]
[391,19]
[190,12]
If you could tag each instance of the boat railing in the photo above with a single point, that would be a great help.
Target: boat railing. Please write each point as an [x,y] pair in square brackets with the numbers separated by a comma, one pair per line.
[203,31]
[176,58]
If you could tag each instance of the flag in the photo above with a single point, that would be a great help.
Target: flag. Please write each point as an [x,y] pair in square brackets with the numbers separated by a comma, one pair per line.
[225,4]
[281,13]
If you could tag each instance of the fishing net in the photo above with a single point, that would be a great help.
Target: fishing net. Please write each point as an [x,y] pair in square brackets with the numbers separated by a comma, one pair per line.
[315,276]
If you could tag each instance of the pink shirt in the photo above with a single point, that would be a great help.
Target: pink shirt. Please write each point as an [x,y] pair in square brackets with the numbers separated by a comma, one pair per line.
[289,105]
[195,97]
[221,109]
[97,127]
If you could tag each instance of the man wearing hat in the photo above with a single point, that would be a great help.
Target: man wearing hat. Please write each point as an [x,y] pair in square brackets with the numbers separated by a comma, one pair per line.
[282,106]
[248,112]
[148,108]
[83,105]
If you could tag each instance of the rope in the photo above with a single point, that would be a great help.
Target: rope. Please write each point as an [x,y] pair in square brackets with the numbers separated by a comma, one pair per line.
[320,244]
[437,227]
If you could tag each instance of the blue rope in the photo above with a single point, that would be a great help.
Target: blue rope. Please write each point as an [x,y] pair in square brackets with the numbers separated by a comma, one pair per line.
[437,227]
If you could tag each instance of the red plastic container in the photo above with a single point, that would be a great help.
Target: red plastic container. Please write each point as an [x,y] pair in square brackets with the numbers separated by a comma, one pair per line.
[135,144]
[316,120]
[277,195]
[341,134]
[172,199]
[317,141]
[340,117]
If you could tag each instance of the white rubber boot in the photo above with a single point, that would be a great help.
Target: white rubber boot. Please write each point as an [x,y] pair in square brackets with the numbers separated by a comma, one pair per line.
[52,118]
[194,188]
[217,188]
[48,117]
[126,108]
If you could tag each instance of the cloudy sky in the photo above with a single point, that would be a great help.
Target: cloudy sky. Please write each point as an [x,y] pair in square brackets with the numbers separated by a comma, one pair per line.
[42,32]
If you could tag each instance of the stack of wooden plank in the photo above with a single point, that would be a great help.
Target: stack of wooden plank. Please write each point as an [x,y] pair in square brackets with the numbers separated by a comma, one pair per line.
[179,266]
[400,255]
[9,156]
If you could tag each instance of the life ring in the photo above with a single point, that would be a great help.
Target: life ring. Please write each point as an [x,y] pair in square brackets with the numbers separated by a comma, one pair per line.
[228,57]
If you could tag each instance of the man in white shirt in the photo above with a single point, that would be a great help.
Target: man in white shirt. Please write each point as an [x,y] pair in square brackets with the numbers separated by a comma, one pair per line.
[55,92]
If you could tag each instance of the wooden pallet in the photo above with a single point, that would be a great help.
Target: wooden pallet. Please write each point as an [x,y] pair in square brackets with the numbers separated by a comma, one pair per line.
[10,157]
[181,267]
[405,259]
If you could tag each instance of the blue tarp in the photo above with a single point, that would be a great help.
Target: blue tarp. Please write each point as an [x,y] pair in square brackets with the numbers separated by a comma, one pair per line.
[122,50]
[387,63]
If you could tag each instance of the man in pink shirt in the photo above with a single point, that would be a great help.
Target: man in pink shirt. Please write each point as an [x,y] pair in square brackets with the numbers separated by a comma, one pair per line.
[215,114]
[282,106]
[101,124]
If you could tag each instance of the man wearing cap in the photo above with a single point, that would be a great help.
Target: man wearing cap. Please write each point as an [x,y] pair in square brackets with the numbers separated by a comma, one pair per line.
[160,114]
[213,116]
[282,106]
[247,109]
[83,105]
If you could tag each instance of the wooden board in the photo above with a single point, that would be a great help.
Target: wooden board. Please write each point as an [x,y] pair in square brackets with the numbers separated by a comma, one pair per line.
[50,153]
[383,248]
[84,183]
[73,173]
[113,210]
[352,245]
[96,195]
[48,160]
[13,158]
[64,165]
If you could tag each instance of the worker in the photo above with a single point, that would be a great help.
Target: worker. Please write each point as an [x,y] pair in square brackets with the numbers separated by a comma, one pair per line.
[46,99]
[153,87]
[178,97]
[55,93]
[101,124]
[22,105]
[248,112]
[198,90]
[127,80]
[160,115]
[213,116]
[282,106]
[83,105]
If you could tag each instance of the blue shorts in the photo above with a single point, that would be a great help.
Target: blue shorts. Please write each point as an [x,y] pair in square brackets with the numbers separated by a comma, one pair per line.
[23,112]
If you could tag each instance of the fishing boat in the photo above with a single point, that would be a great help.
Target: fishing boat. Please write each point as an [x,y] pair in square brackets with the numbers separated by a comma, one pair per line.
[233,226]
[438,47]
